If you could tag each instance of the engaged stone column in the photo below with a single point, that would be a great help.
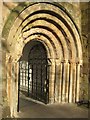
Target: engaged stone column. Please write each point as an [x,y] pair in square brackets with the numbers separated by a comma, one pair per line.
[57,81]
[9,73]
[78,81]
[51,82]
[74,83]
[70,82]
[6,76]
[9,83]
[67,81]
[12,86]
[64,80]
[60,81]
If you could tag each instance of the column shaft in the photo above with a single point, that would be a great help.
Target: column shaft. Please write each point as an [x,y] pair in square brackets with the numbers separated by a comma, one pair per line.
[51,83]
[60,82]
[64,83]
[67,82]
[78,79]
[74,82]
[70,89]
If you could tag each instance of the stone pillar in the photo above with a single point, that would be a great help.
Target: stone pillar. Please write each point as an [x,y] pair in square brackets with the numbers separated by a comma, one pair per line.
[6,76]
[57,81]
[9,84]
[12,84]
[64,81]
[67,81]
[78,82]
[74,83]
[70,82]
[14,89]
[51,82]
[9,74]
[60,81]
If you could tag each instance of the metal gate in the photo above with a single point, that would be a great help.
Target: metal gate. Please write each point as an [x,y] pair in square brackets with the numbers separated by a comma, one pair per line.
[38,87]
[38,80]
[34,76]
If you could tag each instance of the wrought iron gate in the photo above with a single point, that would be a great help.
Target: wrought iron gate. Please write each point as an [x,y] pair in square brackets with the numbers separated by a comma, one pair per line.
[38,87]
[38,80]
[34,76]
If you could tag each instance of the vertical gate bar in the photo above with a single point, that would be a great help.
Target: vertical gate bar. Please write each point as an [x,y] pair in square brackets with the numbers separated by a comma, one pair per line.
[22,78]
[32,79]
[18,105]
[47,79]
[46,84]
[25,76]
[36,81]
[41,83]
[48,70]
[28,79]
[22,73]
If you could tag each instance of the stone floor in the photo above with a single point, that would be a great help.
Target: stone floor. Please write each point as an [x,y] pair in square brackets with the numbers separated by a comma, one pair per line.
[33,109]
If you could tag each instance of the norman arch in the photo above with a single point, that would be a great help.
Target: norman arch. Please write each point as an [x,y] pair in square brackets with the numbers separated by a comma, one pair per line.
[52,26]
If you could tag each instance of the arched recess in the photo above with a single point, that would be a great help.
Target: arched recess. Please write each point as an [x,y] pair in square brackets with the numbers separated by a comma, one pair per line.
[52,25]
[34,71]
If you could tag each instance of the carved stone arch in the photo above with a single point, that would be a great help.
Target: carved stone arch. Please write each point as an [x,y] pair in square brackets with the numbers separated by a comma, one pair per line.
[55,29]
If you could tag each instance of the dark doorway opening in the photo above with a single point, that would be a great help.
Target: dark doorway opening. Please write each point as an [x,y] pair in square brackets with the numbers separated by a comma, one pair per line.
[34,74]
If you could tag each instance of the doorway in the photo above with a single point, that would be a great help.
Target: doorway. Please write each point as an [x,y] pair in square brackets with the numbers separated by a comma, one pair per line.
[34,74]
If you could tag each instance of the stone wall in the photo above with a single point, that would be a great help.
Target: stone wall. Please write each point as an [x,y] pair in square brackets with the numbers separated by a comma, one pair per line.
[84,34]
[89,49]
[80,15]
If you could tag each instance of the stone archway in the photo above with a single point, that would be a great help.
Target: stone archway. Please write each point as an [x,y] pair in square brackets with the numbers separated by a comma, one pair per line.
[50,24]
